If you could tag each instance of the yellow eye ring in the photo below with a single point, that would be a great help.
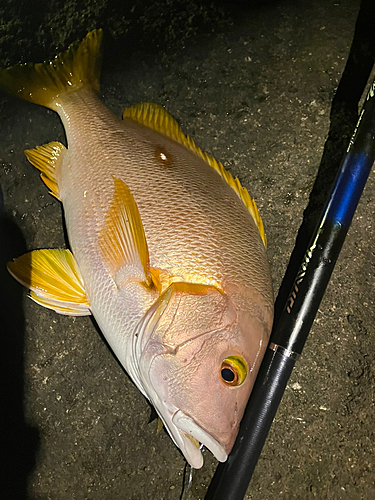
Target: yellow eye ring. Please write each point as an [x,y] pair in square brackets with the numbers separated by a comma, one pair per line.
[233,371]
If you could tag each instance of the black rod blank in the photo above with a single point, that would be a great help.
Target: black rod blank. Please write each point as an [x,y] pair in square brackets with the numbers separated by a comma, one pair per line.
[290,333]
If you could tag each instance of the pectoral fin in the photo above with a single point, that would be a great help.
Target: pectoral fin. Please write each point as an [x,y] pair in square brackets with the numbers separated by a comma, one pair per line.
[122,240]
[54,280]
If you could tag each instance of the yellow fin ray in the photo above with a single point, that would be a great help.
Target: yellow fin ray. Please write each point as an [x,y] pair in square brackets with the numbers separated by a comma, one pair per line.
[46,159]
[122,240]
[67,309]
[54,280]
[160,425]
[194,288]
[44,83]
[156,117]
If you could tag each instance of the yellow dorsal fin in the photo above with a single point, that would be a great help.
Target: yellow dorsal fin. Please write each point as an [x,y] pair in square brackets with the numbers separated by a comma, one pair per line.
[44,83]
[54,280]
[156,117]
[122,239]
[47,159]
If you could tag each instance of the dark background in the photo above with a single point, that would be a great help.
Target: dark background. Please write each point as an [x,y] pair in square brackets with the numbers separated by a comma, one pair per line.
[253,84]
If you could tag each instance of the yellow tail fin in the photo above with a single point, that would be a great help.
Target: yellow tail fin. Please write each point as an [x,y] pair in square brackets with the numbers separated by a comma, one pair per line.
[44,83]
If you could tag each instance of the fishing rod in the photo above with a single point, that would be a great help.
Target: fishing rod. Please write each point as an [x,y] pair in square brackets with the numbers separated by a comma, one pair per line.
[289,334]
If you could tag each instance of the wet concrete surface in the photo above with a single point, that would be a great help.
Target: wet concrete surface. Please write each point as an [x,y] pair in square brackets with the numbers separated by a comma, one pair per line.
[253,86]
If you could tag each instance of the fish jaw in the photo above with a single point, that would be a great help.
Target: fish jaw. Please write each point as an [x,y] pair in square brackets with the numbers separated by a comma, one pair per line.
[205,409]
[183,430]
[187,435]
[190,432]
[179,356]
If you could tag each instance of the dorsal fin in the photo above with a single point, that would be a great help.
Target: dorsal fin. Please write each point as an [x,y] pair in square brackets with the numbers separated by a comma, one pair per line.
[156,117]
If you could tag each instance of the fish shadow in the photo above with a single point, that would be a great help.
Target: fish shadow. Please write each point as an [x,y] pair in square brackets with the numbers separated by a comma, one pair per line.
[19,442]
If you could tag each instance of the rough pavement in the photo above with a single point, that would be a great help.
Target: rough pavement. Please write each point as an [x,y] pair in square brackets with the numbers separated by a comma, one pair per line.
[253,86]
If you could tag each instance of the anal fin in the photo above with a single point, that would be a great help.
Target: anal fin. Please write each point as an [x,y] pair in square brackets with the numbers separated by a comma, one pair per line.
[54,280]
[47,159]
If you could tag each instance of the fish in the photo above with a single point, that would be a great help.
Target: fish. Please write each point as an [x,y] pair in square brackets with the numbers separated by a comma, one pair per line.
[167,251]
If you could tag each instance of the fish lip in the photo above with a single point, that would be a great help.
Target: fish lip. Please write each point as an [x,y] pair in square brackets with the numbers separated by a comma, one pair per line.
[188,429]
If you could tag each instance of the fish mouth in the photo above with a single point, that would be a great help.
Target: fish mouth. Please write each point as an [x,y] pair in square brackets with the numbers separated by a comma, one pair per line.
[191,435]
[184,431]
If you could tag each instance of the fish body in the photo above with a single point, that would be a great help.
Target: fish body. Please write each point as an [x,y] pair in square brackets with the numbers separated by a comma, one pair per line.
[168,252]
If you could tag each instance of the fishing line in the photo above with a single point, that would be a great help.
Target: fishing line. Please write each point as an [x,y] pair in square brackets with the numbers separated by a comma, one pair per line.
[187,478]
[188,471]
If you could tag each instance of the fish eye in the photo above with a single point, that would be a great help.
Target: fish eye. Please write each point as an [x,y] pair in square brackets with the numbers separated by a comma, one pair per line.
[233,371]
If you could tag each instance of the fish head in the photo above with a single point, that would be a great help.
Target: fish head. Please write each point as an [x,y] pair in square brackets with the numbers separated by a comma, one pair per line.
[199,364]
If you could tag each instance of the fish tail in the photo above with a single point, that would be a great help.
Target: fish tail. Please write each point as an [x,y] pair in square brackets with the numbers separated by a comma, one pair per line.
[45,83]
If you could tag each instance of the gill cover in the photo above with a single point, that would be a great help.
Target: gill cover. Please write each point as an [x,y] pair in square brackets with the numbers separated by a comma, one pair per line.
[179,351]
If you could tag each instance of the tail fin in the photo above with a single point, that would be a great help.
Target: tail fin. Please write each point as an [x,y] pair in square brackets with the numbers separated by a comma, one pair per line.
[44,83]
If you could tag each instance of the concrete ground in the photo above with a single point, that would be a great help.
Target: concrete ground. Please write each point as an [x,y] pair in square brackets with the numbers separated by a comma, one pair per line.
[253,85]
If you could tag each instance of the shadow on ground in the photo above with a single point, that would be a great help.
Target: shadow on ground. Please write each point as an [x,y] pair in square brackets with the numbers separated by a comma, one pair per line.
[19,441]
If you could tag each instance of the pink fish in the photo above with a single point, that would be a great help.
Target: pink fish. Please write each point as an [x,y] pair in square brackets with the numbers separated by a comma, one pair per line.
[168,251]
